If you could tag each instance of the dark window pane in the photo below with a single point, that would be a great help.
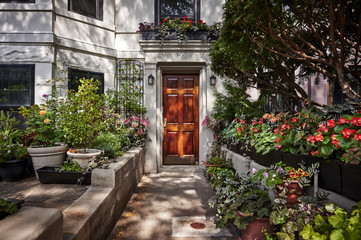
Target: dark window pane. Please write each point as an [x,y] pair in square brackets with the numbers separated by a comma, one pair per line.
[89,8]
[75,75]
[16,85]
[174,8]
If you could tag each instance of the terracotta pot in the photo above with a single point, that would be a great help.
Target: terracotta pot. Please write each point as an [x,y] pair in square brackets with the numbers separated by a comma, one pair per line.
[293,191]
[83,157]
[47,156]
[254,229]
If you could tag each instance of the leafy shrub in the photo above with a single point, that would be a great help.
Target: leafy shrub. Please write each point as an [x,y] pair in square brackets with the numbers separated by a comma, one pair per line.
[110,143]
[7,208]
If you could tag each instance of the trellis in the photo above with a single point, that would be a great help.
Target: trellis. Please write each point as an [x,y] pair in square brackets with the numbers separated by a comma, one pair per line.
[130,80]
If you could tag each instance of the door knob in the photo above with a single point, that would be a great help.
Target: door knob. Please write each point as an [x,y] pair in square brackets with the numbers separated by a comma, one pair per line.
[165,122]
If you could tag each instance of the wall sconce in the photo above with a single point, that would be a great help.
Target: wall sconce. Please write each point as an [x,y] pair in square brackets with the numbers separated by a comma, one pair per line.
[212,80]
[150,79]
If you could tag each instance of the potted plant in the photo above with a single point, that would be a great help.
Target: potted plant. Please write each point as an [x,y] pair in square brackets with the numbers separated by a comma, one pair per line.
[81,120]
[181,29]
[287,182]
[43,135]
[253,211]
[13,153]
[7,208]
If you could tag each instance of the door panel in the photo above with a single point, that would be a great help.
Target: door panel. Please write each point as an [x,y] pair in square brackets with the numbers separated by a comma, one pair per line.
[180,104]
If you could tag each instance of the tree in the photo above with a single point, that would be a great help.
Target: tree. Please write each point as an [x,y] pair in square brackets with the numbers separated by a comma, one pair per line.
[284,35]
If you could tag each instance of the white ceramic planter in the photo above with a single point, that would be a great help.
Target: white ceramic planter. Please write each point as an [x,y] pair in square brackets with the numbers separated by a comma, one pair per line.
[84,158]
[47,156]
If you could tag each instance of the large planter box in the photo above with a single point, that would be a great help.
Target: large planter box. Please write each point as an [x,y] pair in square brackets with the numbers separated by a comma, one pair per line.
[329,177]
[267,159]
[293,160]
[172,35]
[351,181]
[49,175]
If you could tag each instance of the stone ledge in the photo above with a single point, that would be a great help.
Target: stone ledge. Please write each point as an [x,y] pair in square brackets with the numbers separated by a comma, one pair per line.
[33,223]
[95,213]
[241,166]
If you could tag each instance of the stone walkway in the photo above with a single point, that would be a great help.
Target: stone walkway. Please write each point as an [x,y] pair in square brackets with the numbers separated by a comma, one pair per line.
[166,204]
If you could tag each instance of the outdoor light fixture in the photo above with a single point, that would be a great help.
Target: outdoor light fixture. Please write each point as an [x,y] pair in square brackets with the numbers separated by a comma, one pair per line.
[212,80]
[150,79]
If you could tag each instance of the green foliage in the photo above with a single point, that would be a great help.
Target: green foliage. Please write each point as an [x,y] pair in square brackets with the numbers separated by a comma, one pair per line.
[337,226]
[80,116]
[7,208]
[42,122]
[234,101]
[110,143]
[69,167]
[11,142]
[291,220]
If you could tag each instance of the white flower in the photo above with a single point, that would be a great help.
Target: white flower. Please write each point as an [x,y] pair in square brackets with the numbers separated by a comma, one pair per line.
[254,170]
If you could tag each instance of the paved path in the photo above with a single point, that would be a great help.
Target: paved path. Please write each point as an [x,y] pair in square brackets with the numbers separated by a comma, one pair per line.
[163,207]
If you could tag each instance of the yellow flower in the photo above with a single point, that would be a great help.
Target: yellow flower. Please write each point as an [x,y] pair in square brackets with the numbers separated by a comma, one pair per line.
[47,121]
[42,112]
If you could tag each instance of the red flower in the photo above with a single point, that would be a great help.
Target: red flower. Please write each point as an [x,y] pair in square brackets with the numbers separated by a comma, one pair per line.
[278,146]
[200,21]
[319,137]
[294,120]
[253,122]
[260,121]
[311,139]
[313,152]
[277,140]
[331,123]
[164,20]
[357,137]
[160,23]
[342,121]
[346,133]
[276,130]
[356,121]
[322,128]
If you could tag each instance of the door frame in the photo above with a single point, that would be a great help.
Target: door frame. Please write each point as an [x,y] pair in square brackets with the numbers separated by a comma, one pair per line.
[202,70]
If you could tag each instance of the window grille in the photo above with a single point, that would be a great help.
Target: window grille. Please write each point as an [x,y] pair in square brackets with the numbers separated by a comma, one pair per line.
[177,9]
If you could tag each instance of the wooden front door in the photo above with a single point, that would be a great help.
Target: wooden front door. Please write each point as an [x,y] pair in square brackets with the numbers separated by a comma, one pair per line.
[180,112]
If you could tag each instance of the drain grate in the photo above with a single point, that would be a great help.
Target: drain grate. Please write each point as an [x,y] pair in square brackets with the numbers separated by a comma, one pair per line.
[197,225]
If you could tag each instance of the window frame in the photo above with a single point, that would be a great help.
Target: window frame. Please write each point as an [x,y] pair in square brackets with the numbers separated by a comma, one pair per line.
[72,71]
[17,1]
[197,11]
[99,10]
[32,84]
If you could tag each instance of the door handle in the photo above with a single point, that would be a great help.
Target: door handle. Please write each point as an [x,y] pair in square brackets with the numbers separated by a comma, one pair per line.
[165,122]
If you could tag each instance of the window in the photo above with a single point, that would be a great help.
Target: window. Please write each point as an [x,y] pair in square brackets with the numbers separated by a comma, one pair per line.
[338,96]
[89,8]
[176,8]
[17,1]
[16,85]
[75,75]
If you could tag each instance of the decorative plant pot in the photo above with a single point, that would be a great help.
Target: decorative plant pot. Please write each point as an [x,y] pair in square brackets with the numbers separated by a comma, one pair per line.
[254,229]
[13,170]
[293,191]
[47,156]
[83,157]
[351,181]
[149,34]
[49,175]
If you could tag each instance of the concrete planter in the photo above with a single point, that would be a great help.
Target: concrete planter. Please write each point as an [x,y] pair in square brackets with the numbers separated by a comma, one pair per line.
[83,157]
[49,175]
[47,156]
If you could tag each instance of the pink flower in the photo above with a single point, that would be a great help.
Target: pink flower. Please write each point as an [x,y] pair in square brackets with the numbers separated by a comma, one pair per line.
[357,137]
[311,139]
[135,118]
[144,122]
[140,131]
[342,121]
[205,120]
[346,133]
[134,124]
[126,120]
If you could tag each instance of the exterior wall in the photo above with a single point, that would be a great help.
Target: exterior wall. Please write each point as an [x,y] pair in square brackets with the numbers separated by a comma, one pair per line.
[26,37]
